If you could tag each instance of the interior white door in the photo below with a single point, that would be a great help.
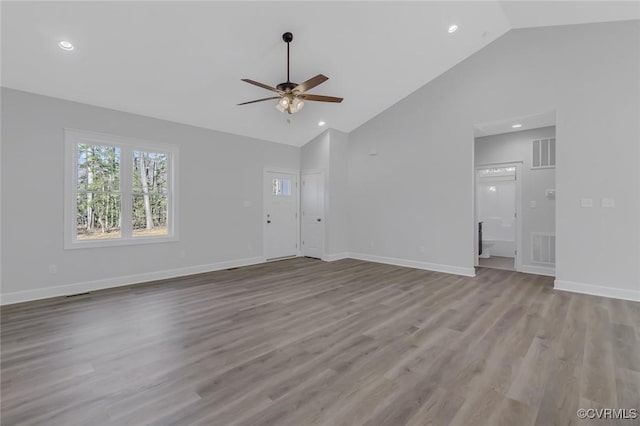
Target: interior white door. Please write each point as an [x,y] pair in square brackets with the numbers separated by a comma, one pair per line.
[280,215]
[313,214]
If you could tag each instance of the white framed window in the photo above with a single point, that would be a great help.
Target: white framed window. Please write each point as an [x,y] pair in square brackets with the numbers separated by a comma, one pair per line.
[118,191]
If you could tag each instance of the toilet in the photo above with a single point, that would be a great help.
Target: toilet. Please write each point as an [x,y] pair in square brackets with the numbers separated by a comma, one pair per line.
[487,245]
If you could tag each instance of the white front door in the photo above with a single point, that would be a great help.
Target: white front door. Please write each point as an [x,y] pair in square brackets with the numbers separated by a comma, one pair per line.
[280,215]
[313,214]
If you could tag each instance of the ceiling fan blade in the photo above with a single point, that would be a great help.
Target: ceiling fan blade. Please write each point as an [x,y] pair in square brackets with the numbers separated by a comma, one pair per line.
[311,83]
[260,100]
[320,98]
[264,86]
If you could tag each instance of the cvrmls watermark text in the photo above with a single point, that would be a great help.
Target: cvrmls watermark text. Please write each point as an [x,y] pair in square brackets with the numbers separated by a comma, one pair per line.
[608,413]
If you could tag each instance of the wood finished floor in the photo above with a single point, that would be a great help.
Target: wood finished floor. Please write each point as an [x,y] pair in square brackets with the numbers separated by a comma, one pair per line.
[497,262]
[302,342]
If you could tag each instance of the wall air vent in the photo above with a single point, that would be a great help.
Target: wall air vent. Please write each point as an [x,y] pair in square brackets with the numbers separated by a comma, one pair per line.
[544,153]
[544,248]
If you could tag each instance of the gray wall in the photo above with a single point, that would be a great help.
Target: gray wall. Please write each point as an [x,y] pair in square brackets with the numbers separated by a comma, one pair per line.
[418,190]
[314,155]
[338,194]
[516,147]
[328,153]
[218,172]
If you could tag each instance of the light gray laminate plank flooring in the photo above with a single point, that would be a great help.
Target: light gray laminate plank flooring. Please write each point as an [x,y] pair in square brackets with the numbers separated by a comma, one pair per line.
[304,342]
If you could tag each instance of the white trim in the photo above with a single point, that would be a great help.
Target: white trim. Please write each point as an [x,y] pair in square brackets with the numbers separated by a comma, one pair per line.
[72,137]
[417,264]
[83,287]
[597,290]
[335,256]
[538,270]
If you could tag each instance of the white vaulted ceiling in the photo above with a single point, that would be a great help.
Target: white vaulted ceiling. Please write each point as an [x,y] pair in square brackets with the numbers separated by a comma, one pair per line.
[183,61]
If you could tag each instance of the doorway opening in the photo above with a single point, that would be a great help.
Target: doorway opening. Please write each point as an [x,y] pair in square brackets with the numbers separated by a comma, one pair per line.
[514,194]
[497,213]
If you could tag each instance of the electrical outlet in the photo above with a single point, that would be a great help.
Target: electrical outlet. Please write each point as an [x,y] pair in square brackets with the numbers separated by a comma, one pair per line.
[53,269]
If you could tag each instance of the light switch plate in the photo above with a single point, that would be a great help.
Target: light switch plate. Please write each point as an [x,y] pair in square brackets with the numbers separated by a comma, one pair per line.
[608,203]
[533,204]
[586,202]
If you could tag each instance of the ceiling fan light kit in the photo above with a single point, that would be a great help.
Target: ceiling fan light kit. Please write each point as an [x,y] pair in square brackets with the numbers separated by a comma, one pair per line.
[291,96]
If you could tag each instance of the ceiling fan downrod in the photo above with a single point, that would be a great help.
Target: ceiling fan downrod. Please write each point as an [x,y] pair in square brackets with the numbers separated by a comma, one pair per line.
[288,38]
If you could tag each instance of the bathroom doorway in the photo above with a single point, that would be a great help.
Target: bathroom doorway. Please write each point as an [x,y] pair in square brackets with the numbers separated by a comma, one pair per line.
[514,194]
[497,215]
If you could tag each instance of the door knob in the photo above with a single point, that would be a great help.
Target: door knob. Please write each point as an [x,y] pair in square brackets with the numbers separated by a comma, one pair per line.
[319,220]
[268,221]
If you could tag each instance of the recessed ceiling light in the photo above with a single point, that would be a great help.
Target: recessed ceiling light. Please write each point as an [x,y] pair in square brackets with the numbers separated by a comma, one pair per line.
[453,28]
[65,45]
[321,123]
[517,126]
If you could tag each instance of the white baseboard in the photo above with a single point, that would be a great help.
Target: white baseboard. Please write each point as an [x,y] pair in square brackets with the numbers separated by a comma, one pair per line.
[417,264]
[83,287]
[335,256]
[597,290]
[538,270]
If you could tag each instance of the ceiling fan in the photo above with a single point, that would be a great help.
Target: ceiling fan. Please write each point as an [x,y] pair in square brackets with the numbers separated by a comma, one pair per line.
[291,96]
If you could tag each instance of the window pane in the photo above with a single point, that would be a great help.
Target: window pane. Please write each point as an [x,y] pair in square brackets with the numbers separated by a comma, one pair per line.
[497,171]
[98,167]
[282,187]
[286,187]
[150,172]
[97,216]
[149,215]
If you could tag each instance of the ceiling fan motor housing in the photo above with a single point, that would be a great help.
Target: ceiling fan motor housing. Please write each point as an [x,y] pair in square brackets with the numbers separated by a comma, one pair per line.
[287,37]
[287,86]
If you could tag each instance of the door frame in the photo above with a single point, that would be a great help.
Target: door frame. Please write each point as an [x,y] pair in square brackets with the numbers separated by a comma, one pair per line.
[517,264]
[324,209]
[264,213]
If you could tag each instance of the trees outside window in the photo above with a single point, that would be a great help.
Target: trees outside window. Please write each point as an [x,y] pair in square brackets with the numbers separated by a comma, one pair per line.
[120,191]
[150,190]
[98,191]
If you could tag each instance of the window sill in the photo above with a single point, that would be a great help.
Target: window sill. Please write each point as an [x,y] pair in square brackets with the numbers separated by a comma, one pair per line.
[134,241]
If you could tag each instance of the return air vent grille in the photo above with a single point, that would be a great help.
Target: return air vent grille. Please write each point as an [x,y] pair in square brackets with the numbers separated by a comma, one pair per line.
[544,248]
[544,153]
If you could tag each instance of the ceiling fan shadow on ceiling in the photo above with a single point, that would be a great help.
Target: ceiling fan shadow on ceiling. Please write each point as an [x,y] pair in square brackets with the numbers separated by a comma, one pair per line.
[291,96]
